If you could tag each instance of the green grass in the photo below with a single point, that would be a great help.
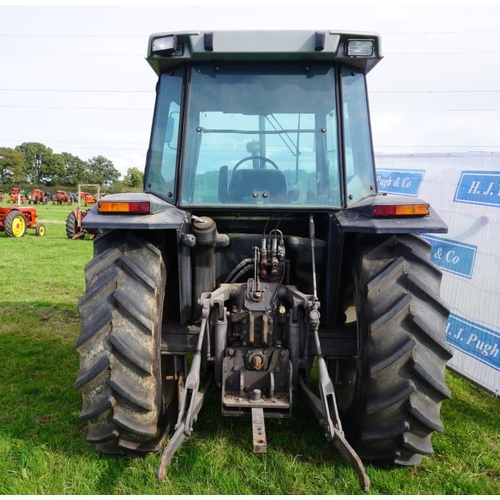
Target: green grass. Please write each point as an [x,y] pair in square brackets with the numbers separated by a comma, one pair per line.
[42,442]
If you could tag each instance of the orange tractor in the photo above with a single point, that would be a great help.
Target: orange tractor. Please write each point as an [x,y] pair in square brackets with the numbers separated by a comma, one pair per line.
[17,196]
[88,199]
[62,197]
[38,196]
[14,221]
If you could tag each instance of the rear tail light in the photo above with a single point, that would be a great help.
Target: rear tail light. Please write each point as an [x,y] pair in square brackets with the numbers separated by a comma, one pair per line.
[124,207]
[401,210]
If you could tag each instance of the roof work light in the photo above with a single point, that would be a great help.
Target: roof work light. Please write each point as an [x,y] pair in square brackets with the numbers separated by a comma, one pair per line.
[360,48]
[165,46]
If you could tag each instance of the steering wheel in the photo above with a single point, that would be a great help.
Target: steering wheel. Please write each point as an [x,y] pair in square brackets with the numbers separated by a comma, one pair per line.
[262,158]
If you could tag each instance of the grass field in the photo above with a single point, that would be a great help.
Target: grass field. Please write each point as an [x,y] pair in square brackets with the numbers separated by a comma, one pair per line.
[42,442]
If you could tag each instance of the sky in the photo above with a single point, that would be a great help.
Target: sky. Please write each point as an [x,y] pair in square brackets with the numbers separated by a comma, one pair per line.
[75,78]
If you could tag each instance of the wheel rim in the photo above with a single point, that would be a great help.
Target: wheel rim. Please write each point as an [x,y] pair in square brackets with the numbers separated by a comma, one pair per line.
[18,226]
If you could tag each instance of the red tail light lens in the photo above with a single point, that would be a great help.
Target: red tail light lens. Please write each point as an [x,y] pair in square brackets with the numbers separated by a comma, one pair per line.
[401,210]
[124,207]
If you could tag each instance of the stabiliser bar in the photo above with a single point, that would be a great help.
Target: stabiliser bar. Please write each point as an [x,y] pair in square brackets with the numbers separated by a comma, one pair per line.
[336,436]
[182,431]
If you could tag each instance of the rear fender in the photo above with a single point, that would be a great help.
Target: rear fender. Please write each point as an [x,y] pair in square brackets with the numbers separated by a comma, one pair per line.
[358,219]
[162,215]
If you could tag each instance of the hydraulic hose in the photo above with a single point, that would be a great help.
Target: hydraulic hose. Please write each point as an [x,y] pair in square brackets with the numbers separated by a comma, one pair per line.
[237,269]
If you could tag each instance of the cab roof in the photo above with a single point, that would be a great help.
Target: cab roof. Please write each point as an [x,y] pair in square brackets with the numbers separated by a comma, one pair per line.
[169,49]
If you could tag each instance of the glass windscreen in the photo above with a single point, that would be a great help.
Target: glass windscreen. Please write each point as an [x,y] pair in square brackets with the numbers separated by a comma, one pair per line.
[261,135]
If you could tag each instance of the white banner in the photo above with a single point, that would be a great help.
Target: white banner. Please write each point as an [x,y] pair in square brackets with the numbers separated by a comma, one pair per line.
[464,189]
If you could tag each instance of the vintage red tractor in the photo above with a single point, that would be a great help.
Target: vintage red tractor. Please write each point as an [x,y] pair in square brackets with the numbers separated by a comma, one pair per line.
[15,220]
[61,197]
[88,199]
[17,196]
[38,196]
[74,229]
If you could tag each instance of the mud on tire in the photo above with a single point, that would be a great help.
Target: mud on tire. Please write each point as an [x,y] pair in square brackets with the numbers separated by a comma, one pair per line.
[119,344]
[399,378]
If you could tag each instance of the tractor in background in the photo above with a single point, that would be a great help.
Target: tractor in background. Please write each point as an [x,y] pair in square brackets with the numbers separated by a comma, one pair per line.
[16,220]
[61,197]
[74,228]
[18,196]
[38,196]
[88,199]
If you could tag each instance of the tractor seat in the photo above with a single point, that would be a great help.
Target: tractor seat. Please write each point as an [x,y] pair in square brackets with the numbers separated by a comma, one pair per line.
[257,186]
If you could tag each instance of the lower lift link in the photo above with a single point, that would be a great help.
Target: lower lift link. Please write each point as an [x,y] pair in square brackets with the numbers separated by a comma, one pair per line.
[324,407]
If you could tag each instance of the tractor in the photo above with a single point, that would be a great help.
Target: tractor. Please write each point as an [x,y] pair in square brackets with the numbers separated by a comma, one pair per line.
[15,220]
[74,229]
[61,197]
[38,196]
[260,260]
[88,198]
[17,196]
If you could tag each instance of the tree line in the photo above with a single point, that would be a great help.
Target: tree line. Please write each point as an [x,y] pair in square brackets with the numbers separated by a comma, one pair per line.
[35,164]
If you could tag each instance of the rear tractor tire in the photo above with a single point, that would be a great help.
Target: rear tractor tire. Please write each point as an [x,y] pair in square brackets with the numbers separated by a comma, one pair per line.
[72,227]
[15,224]
[390,397]
[119,346]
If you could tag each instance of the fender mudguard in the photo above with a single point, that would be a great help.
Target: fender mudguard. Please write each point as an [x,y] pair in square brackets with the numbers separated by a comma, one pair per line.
[162,215]
[358,218]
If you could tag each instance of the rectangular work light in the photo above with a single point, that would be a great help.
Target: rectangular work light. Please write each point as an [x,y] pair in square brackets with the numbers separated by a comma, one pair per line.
[165,46]
[360,48]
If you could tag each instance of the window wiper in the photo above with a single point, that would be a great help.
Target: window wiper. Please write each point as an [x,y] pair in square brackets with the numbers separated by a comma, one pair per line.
[287,140]
[292,147]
